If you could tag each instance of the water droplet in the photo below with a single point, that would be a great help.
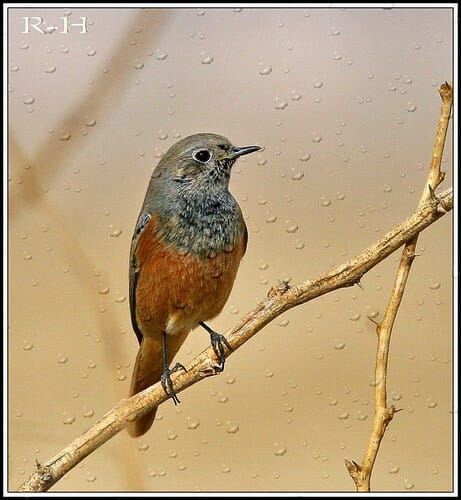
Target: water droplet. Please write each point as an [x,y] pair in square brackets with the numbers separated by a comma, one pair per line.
[193,424]
[430,403]
[68,420]
[284,322]
[299,245]
[355,316]
[411,107]
[223,398]
[232,429]
[160,55]
[280,103]
[115,233]
[172,435]
[295,96]
[206,58]
[62,359]
[318,84]
[88,414]
[91,478]
[292,228]
[65,136]
[138,64]
[408,485]
[297,175]
[435,286]
[340,346]
[50,69]
[29,100]
[316,137]
[265,69]
[91,52]
[271,219]
[14,68]
[280,450]
[343,415]
[325,202]
[226,469]
[103,290]
[28,346]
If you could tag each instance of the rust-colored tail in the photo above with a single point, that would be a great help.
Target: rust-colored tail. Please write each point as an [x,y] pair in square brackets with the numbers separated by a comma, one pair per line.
[147,371]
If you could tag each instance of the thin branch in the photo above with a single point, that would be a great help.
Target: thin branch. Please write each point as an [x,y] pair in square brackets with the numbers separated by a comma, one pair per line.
[279,299]
[361,474]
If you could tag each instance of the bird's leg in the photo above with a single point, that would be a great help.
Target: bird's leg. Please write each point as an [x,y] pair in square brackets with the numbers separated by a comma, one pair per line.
[165,378]
[217,342]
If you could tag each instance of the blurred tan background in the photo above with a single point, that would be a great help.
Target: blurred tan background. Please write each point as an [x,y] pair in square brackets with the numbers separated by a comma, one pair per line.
[345,102]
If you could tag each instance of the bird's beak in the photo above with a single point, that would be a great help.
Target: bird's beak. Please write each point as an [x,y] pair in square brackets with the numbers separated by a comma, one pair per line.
[235,152]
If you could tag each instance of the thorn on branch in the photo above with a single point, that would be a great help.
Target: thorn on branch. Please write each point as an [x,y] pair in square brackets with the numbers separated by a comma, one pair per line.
[282,287]
[411,254]
[43,472]
[374,321]
[436,201]
[353,467]
[359,284]
[446,90]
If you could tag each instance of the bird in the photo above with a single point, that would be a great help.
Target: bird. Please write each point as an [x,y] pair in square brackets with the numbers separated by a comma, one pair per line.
[188,241]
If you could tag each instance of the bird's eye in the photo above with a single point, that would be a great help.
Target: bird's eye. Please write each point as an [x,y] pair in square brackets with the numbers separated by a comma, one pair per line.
[202,156]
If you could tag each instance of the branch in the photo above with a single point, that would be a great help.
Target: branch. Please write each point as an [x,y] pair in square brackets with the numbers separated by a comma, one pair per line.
[361,474]
[280,298]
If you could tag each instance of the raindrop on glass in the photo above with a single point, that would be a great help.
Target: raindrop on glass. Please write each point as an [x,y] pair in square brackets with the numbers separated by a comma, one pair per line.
[160,55]
[28,346]
[280,450]
[265,69]
[206,58]
[316,137]
[280,103]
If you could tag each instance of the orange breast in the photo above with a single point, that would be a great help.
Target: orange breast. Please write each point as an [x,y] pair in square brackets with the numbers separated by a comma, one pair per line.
[175,291]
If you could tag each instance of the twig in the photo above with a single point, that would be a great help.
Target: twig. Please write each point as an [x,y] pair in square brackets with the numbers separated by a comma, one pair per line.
[280,298]
[361,474]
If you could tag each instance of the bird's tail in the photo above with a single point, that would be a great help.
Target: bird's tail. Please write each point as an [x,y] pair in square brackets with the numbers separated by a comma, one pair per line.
[147,371]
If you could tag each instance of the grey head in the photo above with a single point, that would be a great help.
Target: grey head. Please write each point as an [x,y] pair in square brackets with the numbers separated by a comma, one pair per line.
[201,161]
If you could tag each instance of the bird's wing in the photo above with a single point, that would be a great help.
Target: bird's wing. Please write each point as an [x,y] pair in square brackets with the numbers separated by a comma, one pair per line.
[142,223]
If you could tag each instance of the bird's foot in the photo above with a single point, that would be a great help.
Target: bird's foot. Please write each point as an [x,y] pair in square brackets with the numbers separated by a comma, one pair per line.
[167,383]
[218,342]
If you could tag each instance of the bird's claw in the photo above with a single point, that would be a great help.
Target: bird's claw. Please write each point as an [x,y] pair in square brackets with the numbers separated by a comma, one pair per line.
[218,342]
[167,383]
